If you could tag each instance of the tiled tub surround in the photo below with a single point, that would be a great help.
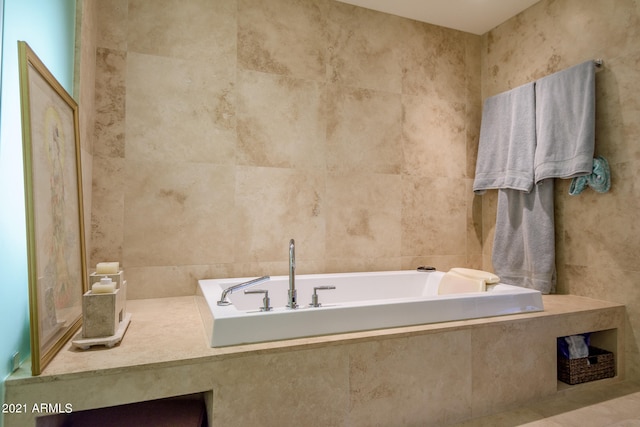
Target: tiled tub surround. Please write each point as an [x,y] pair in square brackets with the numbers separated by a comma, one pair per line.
[248,120]
[435,374]
[182,136]
[358,302]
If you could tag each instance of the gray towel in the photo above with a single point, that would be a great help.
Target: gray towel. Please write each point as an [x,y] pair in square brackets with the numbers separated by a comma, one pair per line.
[507,141]
[524,242]
[565,123]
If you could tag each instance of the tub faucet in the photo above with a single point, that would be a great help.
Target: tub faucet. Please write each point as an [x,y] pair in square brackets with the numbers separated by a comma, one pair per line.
[244,285]
[293,303]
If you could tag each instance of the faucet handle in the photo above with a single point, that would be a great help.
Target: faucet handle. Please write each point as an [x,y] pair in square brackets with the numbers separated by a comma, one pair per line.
[314,297]
[265,301]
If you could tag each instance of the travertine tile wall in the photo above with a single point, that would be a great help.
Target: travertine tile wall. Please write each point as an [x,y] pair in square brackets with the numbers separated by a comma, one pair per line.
[84,94]
[597,235]
[224,128]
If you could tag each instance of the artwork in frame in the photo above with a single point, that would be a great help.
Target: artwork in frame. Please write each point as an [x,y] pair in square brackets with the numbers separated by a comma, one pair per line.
[54,210]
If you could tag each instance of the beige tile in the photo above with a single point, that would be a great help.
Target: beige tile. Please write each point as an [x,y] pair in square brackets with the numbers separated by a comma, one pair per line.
[518,417]
[513,48]
[617,109]
[198,30]
[363,48]
[107,211]
[473,100]
[596,238]
[178,110]
[87,192]
[110,111]
[434,139]
[309,386]
[85,76]
[281,121]
[395,381]
[363,216]
[293,86]
[452,73]
[474,224]
[112,24]
[434,216]
[510,52]
[266,31]
[274,205]
[357,264]
[613,31]
[169,281]
[435,61]
[618,286]
[631,422]
[595,415]
[364,132]
[505,374]
[419,60]
[178,214]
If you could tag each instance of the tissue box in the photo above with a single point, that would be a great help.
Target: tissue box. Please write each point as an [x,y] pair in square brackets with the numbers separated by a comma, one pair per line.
[598,365]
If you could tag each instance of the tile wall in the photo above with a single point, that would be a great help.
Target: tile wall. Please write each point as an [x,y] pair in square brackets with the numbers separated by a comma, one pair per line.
[225,128]
[84,93]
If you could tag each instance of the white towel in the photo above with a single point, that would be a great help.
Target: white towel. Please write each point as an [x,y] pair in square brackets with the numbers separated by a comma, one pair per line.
[565,123]
[507,141]
[524,241]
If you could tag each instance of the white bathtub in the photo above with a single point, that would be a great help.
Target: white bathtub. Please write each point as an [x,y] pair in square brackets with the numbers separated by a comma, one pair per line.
[361,301]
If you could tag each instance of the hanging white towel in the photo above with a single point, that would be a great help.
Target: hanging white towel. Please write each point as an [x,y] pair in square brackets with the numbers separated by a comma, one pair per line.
[565,123]
[507,141]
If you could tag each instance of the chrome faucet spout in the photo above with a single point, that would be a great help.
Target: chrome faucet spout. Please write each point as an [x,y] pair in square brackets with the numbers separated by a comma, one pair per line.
[293,303]
[244,285]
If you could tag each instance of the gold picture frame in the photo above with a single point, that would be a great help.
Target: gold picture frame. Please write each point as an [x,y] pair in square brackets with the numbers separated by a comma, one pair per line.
[54,209]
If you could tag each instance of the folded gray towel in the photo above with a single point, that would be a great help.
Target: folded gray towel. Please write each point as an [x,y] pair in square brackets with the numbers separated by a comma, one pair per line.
[524,243]
[507,141]
[565,123]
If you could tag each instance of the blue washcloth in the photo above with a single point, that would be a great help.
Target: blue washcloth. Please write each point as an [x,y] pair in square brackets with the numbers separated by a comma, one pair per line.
[599,180]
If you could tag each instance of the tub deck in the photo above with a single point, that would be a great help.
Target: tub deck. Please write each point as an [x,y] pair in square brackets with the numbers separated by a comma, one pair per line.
[165,353]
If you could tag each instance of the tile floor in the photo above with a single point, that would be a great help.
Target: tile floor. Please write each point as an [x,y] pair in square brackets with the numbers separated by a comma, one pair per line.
[607,405]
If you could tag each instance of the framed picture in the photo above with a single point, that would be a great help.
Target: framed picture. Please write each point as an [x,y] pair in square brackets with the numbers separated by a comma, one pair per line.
[54,212]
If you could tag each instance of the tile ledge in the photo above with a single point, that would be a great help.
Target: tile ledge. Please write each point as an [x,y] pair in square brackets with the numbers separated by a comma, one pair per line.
[163,350]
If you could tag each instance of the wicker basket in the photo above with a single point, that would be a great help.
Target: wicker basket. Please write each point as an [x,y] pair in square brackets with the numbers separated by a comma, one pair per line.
[598,365]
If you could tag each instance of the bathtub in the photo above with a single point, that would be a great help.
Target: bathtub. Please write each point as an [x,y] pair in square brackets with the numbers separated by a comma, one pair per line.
[359,302]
